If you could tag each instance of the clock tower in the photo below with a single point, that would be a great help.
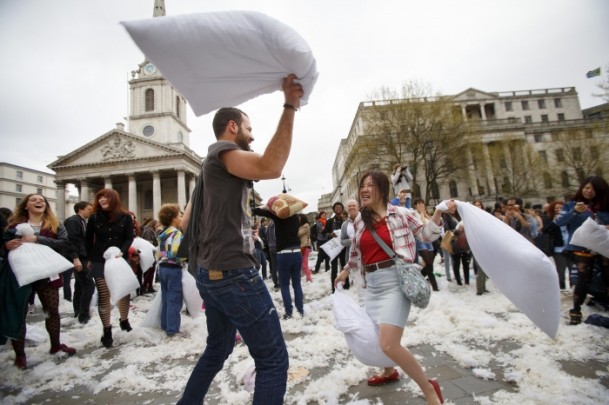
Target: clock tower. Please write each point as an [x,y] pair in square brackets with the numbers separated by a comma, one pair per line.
[157,111]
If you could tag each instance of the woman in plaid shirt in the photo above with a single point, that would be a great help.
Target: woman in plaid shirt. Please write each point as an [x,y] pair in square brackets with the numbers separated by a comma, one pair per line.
[385,302]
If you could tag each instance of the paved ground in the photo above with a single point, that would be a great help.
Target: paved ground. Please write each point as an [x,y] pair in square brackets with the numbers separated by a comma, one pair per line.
[459,384]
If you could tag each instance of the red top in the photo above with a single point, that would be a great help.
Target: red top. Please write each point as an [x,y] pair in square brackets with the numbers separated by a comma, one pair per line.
[372,252]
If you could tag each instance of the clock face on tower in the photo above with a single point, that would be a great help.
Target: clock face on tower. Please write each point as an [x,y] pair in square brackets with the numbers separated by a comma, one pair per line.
[148,130]
[149,69]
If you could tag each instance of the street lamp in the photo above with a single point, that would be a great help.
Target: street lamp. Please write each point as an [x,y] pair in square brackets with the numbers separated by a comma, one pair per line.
[427,147]
[283,180]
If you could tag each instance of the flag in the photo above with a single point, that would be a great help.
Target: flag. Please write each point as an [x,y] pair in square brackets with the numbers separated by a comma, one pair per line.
[594,73]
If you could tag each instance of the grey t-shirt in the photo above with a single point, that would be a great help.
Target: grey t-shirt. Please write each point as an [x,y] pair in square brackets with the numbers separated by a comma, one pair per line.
[225,226]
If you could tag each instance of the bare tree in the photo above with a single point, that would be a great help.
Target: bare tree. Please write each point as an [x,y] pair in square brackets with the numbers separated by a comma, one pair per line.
[604,86]
[424,132]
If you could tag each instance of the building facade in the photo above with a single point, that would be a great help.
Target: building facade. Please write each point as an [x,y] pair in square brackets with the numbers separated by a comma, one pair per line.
[530,125]
[17,181]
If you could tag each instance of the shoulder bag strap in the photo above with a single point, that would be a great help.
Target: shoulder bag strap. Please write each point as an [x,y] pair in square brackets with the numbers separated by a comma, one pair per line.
[382,244]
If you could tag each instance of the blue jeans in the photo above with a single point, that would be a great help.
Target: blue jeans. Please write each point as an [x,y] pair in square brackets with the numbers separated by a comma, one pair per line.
[289,266]
[171,298]
[240,300]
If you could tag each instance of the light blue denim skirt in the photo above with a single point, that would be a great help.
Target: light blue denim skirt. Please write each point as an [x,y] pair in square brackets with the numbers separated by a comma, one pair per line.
[385,301]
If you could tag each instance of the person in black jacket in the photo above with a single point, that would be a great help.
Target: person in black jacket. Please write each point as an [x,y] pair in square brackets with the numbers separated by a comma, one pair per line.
[76,226]
[332,229]
[109,226]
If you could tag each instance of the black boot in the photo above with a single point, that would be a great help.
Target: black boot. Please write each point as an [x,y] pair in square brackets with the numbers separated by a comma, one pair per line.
[575,317]
[106,339]
[125,325]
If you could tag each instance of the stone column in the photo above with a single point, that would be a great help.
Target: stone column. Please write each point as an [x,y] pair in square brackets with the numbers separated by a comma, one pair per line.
[133,195]
[61,200]
[490,177]
[156,193]
[471,172]
[482,113]
[191,186]
[464,112]
[508,157]
[107,182]
[181,189]
[84,190]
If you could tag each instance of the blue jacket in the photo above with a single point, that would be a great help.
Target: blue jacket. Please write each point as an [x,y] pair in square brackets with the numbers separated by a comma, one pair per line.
[572,220]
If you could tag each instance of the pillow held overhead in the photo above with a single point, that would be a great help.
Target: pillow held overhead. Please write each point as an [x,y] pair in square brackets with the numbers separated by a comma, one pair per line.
[225,58]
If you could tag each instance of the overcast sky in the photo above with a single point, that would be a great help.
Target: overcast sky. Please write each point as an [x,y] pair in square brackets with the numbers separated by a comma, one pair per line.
[66,64]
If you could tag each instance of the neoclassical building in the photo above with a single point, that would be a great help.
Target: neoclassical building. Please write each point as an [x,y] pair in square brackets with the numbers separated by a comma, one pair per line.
[528,124]
[149,163]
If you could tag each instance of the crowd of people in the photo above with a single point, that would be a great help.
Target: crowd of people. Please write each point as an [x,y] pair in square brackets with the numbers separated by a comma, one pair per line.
[229,245]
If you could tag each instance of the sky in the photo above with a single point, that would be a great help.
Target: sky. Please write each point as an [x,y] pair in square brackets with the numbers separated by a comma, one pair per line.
[66,66]
[484,334]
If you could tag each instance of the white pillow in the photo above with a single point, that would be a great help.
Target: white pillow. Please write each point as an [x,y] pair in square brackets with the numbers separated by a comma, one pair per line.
[147,251]
[360,331]
[223,59]
[32,262]
[119,275]
[592,236]
[153,316]
[523,273]
[190,295]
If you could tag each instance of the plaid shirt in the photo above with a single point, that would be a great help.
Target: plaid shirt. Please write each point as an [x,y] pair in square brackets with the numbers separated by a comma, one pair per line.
[404,227]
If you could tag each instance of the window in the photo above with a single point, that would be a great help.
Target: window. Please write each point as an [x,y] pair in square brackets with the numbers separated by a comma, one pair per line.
[557,103]
[40,179]
[454,192]
[525,105]
[18,188]
[581,174]
[561,117]
[538,138]
[547,180]
[508,106]
[589,133]
[39,191]
[543,155]
[178,106]
[544,117]
[577,154]
[564,179]
[560,155]
[541,104]
[17,201]
[19,174]
[149,100]
[528,119]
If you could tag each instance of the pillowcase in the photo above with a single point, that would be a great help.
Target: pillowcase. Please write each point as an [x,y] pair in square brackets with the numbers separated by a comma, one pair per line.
[225,58]
[285,205]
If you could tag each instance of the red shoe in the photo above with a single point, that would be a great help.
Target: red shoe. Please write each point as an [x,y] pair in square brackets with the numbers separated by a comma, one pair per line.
[436,387]
[62,348]
[380,380]
[20,361]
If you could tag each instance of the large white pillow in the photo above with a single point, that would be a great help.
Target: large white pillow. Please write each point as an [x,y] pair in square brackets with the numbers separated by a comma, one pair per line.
[361,333]
[119,275]
[32,262]
[223,59]
[523,273]
[593,236]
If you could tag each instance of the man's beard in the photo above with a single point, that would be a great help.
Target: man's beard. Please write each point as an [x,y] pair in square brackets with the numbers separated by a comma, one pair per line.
[241,141]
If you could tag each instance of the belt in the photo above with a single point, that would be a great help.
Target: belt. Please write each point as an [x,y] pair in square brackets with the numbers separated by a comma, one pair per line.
[288,251]
[369,268]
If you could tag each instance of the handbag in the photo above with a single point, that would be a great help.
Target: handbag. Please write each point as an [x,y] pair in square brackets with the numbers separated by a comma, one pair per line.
[412,283]
[446,243]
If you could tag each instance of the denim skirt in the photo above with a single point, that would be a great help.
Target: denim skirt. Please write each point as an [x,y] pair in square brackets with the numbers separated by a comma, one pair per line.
[385,301]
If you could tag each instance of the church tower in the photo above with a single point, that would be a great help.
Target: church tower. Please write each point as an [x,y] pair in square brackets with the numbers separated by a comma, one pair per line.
[157,111]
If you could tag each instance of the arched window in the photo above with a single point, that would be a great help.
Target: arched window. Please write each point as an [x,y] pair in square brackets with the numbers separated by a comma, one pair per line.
[454,192]
[178,106]
[149,100]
